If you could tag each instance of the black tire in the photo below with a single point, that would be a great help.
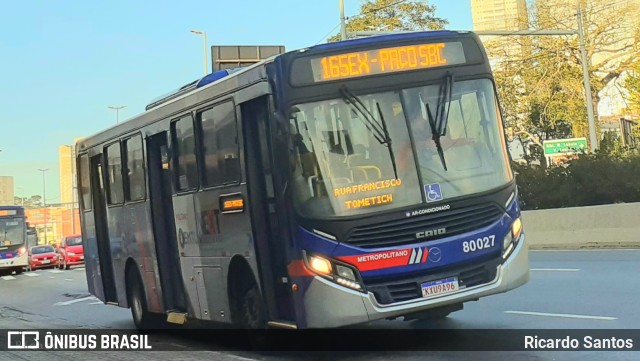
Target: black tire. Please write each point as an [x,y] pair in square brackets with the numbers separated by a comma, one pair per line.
[142,318]
[250,309]
[19,271]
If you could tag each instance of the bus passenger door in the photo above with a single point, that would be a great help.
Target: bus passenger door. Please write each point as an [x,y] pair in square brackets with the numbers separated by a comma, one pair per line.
[102,231]
[269,230]
[163,223]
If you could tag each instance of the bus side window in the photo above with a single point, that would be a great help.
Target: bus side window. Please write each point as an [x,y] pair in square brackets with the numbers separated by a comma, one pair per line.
[85,187]
[220,145]
[114,174]
[134,186]
[186,173]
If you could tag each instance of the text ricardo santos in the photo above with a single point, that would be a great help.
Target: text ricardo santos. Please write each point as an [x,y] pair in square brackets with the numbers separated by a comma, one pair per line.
[568,342]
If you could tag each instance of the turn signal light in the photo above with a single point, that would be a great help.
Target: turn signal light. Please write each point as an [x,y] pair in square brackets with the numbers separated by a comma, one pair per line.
[516,228]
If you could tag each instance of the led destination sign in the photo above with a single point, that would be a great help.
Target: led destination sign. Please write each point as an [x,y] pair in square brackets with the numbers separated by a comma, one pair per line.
[386,60]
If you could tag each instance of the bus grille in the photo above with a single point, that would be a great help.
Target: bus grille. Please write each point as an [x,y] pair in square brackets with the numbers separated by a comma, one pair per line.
[403,231]
[389,291]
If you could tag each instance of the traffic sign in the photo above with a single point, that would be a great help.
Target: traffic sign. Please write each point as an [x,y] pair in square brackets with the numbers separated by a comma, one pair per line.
[564,146]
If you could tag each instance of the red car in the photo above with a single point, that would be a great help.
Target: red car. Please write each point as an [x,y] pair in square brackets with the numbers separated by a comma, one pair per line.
[42,257]
[71,252]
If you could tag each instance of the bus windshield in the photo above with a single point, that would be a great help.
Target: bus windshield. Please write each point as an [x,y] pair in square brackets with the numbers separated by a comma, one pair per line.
[343,164]
[12,231]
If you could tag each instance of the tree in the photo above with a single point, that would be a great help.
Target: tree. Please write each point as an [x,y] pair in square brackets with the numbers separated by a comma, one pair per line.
[632,83]
[30,202]
[394,15]
[542,84]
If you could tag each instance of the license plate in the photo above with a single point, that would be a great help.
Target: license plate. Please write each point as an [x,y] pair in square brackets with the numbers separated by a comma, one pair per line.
[45,261]
[439,287]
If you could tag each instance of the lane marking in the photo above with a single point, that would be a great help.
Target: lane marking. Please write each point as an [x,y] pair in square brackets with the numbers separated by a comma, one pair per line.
[79,269]
[52,277]
[68,279]
[563,315]
[56,271]
[97,303]
[556,269]
[232,356]
[31,274]
[8,278]
[66,303]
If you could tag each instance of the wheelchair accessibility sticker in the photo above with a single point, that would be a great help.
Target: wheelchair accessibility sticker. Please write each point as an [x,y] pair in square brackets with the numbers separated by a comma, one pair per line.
[433,192]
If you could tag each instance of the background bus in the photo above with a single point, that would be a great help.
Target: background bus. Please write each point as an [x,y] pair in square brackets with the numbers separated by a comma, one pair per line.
[13,238]
[335,185]
[32,237]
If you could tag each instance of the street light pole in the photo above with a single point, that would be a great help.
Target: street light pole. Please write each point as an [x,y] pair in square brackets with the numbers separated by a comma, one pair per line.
[587,84]
[204,47]
[343,24]
[44,199]
[117,109]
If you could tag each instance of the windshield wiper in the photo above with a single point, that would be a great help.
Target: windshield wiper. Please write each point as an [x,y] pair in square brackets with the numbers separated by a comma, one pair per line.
[438,124]
[444,104]
[370,122]
[388,141]
[367,118]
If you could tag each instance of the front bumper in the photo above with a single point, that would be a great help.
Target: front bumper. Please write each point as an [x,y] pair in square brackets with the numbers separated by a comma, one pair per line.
[16,262]
[75,260]
[41,264]
[330,305]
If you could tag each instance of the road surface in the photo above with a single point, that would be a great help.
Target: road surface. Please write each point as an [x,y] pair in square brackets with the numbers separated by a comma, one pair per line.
[590,289]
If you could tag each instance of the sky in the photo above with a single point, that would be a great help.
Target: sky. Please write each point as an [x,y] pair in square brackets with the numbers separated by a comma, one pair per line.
[62,63]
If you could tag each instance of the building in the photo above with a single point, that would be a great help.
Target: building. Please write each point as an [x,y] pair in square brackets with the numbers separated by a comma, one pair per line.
[622,127]
[53,223]
[6,191]
[620,40]
[67,173]
[499,14]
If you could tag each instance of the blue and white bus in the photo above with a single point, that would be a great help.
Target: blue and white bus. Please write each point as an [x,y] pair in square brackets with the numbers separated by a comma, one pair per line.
[14,255]
[333,185]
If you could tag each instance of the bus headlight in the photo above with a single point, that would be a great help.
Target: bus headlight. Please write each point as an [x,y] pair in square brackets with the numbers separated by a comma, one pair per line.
[512,237]
[22,251]
[339,273]
[507,241]
[320,265]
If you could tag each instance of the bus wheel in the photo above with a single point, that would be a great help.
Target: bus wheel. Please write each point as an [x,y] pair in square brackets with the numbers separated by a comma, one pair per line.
[250,309]
[138,302]
[19,271]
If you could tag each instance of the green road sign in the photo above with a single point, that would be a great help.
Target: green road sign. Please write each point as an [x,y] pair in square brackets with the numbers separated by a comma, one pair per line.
[565,146]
